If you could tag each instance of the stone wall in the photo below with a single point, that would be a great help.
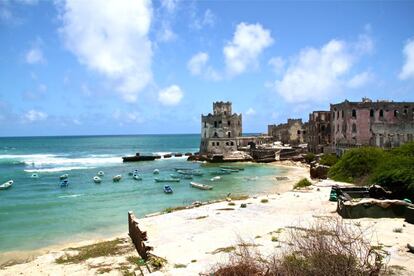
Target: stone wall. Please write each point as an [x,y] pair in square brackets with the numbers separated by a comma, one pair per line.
[319,131]
[293,132]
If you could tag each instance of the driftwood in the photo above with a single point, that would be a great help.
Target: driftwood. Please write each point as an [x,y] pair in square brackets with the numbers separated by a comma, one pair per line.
[138,237]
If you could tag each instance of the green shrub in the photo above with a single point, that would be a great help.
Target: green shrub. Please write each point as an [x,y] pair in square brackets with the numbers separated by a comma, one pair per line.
[328,159]
[309,157]
[304,182]
[356,165]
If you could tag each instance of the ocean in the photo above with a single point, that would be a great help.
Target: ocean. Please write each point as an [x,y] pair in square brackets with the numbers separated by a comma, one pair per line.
[37,212]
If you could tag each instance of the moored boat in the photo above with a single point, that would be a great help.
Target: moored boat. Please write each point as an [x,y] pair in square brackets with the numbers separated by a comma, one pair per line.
[97,179]
[35,175]
[168,189]
[166,179]
[232,168]
[6,185]
[63,176]
[156,171]
[201,186]
[117,178]
[215,178]
[100,173]
[229,170]
[137,177]
[220,172]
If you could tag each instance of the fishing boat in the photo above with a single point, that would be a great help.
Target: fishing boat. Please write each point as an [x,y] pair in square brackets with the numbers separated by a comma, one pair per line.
[35,175]
[201,186]
[63,176]
[100,173]
[175,176]
[190,172]
[232,168]
[137,177]
[156,171]
[220,172]
[6,185]
[229,170]
[97,179]
[117,178]
[64,183]
[168,189]
[166,179]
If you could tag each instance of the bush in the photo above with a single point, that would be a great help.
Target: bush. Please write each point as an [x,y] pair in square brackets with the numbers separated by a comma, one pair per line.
[304,182]
[356,165]
[309,157]
[328,159]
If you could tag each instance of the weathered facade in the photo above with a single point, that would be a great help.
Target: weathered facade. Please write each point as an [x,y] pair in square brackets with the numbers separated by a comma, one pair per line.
[219,131]
[383,123]
[319,132]
[293,132]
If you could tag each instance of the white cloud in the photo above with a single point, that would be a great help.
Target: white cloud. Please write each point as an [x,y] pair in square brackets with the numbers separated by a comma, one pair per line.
[250,111]
[319,74]
[208,19]
[169,5]
[198,66]
[249,41]
[111,38]
[360,80]
[277,63]
[170,96]
[34,56]
[34,115]
[166,34]
[407,71]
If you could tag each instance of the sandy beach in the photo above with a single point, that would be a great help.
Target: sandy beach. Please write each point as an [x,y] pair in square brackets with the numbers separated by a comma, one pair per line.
[193,240]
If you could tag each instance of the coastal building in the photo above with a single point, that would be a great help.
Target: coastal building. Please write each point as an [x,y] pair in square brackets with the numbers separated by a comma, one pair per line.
[220,130]
[384,124]
[293,132]
[319,132]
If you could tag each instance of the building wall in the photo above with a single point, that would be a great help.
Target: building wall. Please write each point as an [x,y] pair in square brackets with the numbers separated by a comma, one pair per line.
[319,131]
[383,124]
[293,132]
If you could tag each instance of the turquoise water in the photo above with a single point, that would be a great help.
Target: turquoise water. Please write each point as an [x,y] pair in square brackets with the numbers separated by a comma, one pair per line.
[36,213]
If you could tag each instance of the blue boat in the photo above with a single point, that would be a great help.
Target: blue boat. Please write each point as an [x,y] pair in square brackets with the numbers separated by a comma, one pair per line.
[168,189]
[64,183]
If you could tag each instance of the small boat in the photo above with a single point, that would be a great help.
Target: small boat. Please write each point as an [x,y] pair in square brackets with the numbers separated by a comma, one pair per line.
[166,179]
[63,176]
[100,173]
[97,179]
[232,168]
[220,172]
[175,176]
[130,173]
[64,183]
[168,189]
[215,178]
[183,169]
[137,177]
[156,171]
[229,170]
[201,186]
[6,185]
[35,175]
[190,172]
[117,178]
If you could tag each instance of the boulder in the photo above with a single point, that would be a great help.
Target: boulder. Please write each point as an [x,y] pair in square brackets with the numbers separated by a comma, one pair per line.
[319,172]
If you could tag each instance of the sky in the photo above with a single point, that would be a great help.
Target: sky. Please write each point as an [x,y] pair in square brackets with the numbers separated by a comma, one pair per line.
[74,67]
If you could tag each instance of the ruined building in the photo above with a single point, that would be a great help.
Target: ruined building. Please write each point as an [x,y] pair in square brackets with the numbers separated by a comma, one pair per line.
[294,132]
[384,124]
[219,131]
[319,132]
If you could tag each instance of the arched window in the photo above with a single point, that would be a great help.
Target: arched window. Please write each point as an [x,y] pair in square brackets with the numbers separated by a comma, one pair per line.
[381,113]
[232,143]
[371,113]
[229,134]
[228,123]
[354,113]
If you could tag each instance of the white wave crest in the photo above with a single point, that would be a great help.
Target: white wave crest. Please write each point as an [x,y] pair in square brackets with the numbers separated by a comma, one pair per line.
[61,169]
[70,196]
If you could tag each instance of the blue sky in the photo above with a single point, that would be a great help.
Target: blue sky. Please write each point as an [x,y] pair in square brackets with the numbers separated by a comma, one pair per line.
[136,67]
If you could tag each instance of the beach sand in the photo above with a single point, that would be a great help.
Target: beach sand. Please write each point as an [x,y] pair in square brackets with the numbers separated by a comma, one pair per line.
[188,239]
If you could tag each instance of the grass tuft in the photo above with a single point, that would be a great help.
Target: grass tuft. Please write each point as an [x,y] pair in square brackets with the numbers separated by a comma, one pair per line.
[304,182]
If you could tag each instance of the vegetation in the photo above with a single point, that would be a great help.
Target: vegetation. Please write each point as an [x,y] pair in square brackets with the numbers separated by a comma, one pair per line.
[274,239]
[180,266]
[328,160]
[231,204]
[326,248]
[172,209]
[310,157]
[239,197]
[393,169]
[106,248]
[304,182]
[264,200]
[224,249]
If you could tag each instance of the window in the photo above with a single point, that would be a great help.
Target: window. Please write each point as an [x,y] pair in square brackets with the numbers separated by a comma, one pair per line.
[213,144]
[229,134]
[343,113]
[354,129]
[227,143]
[405,112]
[232,143]
[322,128]
[215,135]
[354,113]
[225,113]
[371,113]
[298,132]
[205,124]
[228,123]
[395,113]
[218,144]
[381,113]
[220,123]
[215,123]
[333,115]
[337,114]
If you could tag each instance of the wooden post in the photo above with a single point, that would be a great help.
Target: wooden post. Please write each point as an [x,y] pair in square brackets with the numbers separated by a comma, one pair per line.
[137,236]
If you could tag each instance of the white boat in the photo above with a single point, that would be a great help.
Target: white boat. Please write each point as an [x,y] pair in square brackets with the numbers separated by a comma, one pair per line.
[117,178]
[215,178]
[201,186]
[35,175]
[100,173]
[64,176]
[156,171]
[6,185]
[137,177]
[97,179]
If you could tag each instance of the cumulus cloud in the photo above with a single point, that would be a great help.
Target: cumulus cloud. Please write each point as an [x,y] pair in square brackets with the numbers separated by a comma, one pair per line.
[169,5]
[249,41]
[318,74]
[277,63]
[111,38]
[360,80]
[250,111]
[407,71]
[34,56]
[34,115]
[208,19]
[170,96]
[198,66]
